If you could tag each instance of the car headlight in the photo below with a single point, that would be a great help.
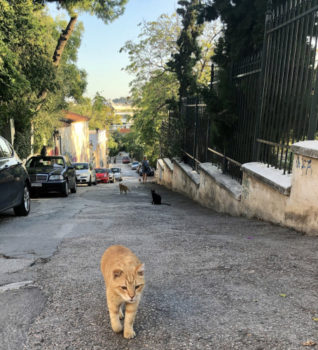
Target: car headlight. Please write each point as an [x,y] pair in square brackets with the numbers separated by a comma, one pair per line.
[55,177]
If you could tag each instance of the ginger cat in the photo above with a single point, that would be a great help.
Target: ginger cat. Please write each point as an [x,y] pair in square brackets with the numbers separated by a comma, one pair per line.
[123,188]
[124,279]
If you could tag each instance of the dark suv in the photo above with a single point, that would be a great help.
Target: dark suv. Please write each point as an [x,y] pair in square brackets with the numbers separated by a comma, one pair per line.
[14,181]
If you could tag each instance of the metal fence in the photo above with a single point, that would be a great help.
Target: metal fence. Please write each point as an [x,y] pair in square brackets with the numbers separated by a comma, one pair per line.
[289,90]
[275,93]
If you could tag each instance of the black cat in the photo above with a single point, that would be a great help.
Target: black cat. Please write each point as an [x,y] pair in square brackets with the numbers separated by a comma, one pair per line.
[156,198]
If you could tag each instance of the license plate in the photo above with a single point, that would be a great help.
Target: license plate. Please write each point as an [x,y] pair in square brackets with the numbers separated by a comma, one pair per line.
[36,184]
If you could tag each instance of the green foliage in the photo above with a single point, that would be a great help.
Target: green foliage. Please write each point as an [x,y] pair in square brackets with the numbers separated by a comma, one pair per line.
[99,111]
[70,80]
[154,86]
[28,38]
[242,36]
[189,51]
[152,109]
[106,10]
[243,27]
[148,56]
[25,58]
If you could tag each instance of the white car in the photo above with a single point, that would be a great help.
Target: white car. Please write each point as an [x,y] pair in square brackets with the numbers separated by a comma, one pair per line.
[85,173]
[110,176]
[117,173]
[134,165]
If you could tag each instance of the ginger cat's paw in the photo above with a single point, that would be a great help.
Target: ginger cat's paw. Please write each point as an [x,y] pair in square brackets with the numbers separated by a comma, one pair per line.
[117,328]
[129,333]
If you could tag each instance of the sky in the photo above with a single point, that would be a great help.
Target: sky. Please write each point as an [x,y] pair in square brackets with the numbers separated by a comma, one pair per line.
[99,52]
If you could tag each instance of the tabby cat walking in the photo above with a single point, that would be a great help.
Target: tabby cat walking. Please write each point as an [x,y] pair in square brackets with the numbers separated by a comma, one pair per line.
[124,279]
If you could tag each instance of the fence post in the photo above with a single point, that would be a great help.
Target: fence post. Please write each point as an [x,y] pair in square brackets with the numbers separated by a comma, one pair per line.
[312,125]
[268,20]
[195,141]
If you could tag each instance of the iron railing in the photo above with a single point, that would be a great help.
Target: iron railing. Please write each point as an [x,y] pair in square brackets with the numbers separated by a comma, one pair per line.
[289,86]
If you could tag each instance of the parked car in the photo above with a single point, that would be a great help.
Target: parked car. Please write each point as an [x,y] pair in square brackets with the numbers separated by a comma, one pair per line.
[110,176]
[150,171]
[134,165]
[117,173]
[85,173]
[14,181]
[51,174]
[102,175]
[125,160]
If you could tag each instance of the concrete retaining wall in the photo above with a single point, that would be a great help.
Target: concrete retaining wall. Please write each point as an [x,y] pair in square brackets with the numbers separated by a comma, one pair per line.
[185,180]
[265,193]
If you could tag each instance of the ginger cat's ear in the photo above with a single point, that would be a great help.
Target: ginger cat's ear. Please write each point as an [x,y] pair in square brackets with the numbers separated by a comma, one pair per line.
[140,269]
[117,273]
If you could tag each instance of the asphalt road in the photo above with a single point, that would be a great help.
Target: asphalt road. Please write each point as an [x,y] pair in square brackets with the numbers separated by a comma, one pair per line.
[212,281]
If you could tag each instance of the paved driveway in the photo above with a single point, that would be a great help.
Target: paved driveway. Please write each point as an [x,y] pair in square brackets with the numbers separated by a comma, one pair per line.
[213,281]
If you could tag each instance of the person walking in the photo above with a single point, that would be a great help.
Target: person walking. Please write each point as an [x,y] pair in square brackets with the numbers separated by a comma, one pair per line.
[144,169]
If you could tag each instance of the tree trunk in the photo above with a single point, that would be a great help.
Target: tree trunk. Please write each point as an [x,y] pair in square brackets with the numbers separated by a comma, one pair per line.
[65,35]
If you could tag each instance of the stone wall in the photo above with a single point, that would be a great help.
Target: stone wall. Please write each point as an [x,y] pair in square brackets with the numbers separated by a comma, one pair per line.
[265,193]
[302,207]
[185,180]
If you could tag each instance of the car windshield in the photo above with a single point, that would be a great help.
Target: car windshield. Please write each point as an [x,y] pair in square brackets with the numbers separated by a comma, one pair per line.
[100,171]
[115,170]
[45,162]
[135,163]
[81,166]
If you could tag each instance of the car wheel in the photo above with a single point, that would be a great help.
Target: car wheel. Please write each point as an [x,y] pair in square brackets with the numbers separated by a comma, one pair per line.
[24,208]
[74,189]
[90,182]
[66,189]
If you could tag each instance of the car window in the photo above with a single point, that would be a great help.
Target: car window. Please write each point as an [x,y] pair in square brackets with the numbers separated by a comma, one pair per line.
[5,150]
[101,171]
[45,162]
[81,166]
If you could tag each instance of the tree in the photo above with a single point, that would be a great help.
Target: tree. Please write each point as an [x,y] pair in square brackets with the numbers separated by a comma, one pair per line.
[106,10]
[189,51]
[154,85]
[71,84]
[152,109]
[99,111]
[25,64]
[242,36]
[149,56]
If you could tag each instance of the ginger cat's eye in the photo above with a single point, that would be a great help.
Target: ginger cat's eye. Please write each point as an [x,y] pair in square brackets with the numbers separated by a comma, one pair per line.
[124,287]
[138,286]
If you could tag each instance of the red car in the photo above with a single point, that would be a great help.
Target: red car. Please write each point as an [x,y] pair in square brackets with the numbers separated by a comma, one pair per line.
[126,160]
[102,175]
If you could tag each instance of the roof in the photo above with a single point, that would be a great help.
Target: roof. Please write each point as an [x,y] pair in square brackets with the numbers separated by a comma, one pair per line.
[71,117]
[124,131]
